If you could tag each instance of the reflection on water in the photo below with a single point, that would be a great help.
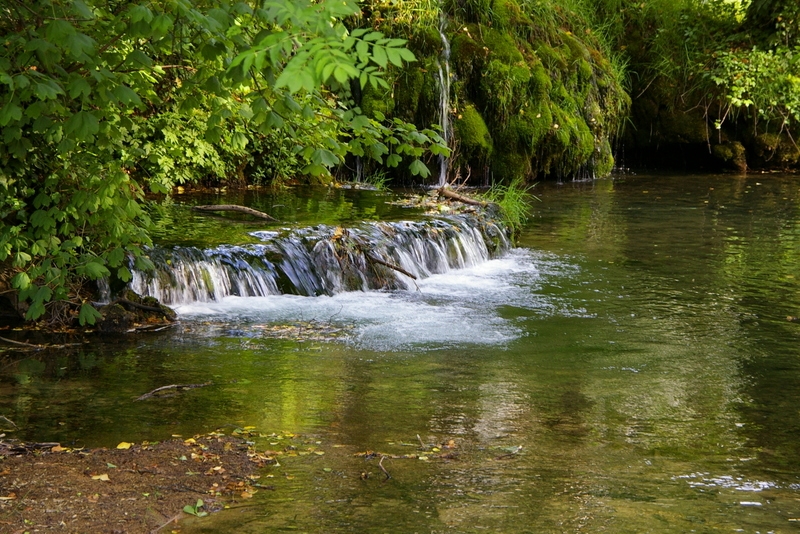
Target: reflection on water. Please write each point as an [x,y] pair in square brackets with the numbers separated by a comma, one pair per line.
[629,368]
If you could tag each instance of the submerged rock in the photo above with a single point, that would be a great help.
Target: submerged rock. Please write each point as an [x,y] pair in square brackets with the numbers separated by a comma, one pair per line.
[132,312]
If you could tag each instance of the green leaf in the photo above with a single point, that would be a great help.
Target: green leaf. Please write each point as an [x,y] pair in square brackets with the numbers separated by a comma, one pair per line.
[10,112]
[82,10]
[58,30]
[124,274]
[417,168]
[394,57]
[83,125]
[407,54]
[95,270]
[88,314]
[140,13]
[48,90]
[379,55]
[126,95]
[324,157]
[79,87]
[21,281]
[139,58]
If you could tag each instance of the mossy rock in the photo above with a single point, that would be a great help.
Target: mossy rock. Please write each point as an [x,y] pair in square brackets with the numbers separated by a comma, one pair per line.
[377,100]
[540,83]
[467,55]
[732,154]
[473,134]
[407,93]
[773,150]
[679,126]
[553,59]
[502,46]
[530,127]
[425,41]
[602,162]
[507,14]
[508,166]
[504,90]
[577,49]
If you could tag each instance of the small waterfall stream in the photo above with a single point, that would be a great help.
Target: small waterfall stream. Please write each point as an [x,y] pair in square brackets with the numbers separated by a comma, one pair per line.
[322,260]
[443,64]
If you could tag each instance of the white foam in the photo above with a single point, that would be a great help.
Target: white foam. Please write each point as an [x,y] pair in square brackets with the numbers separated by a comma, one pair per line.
[452,309]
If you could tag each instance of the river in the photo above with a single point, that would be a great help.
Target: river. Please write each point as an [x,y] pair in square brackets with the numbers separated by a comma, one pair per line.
[628,366]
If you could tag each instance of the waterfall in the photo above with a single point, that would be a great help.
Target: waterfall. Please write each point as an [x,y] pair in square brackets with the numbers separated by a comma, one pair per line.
[443,64]
[322,260]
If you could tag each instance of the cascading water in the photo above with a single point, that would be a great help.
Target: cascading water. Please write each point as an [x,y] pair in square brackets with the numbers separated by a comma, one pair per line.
[443,64]
[322,260]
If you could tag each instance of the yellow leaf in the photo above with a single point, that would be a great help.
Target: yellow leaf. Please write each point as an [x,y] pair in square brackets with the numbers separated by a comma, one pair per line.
[103,477]
[58,448]
[124,445]
[247,495]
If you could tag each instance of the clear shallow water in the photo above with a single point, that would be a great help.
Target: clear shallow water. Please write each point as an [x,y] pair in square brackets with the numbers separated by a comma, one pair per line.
[635,345]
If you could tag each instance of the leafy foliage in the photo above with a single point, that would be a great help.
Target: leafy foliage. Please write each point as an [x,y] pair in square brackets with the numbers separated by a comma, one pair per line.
[101,103]
[514,201]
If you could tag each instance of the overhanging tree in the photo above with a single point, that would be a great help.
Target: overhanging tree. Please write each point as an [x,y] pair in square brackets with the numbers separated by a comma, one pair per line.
[103,101]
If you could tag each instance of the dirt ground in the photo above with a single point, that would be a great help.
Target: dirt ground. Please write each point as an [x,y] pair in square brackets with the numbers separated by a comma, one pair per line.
[139,488]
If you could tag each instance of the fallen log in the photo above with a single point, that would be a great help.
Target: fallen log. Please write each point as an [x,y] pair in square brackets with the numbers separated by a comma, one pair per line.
[235,207]
[179,387]
[448,193]
[397,268]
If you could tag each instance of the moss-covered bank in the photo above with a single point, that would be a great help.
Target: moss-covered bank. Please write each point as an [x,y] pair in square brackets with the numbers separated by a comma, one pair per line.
[534,91]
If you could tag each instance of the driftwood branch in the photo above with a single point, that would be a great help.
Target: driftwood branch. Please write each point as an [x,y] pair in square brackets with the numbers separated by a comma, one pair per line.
[29,346]
[397,268]
[171,386]
[448,193]
[235,207]
[385,472]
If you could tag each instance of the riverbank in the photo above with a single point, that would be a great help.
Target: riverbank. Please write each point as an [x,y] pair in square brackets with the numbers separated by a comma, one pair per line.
[135,488]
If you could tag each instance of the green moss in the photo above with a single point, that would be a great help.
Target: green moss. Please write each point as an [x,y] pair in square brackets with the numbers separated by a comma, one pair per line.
[425,41]
[504,89]
[467,55]
[377,100]
[507,14]
[502,47]
[732,154]
[509,166]
[408,90]
[771,149]
[540,82]
[603,160]
[473,134]
[552,59]
[577,50]
[531,126]
[683,127]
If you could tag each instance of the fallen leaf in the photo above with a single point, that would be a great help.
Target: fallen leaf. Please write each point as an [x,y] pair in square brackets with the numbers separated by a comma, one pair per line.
[246,495]
[103,477]
[58,448]
[124,445]
[11,496]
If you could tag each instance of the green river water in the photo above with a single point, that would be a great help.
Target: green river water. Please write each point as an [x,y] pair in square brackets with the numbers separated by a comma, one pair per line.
[629,367]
